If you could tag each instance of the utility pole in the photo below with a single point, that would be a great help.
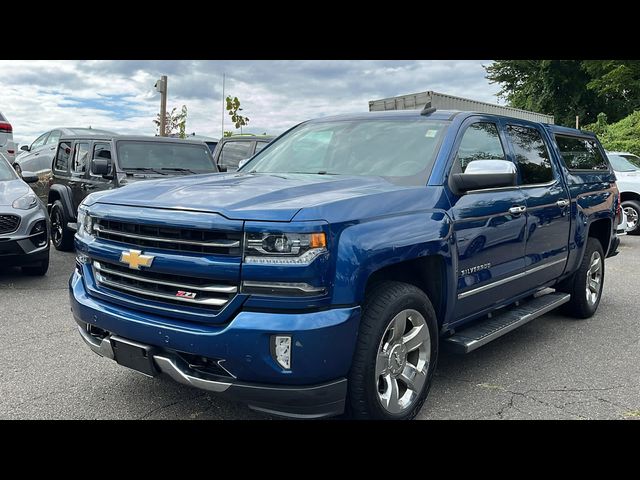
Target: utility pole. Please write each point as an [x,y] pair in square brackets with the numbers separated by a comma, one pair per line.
[161,86]
[222,132]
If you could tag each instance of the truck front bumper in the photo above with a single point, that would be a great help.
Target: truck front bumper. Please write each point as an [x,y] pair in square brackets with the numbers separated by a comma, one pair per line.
[321,352]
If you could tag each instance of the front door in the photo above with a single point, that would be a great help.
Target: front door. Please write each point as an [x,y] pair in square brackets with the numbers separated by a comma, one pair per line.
[489,228]
[79,171]
[547,202]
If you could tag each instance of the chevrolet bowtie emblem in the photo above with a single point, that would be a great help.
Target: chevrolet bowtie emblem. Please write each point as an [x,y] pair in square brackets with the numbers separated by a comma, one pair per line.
[135,259]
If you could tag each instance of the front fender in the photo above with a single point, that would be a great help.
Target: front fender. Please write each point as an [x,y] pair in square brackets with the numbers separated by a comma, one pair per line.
[366,247]
[66,197]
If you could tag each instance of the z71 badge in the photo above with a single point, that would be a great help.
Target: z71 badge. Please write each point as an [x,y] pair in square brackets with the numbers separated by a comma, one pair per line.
[477,268]
[183,294]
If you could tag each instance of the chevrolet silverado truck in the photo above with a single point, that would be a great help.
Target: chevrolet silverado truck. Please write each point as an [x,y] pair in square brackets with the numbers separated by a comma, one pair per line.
[326,274]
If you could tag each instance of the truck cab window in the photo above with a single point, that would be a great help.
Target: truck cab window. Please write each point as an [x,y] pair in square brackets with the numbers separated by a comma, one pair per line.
[479,142]
[532,155]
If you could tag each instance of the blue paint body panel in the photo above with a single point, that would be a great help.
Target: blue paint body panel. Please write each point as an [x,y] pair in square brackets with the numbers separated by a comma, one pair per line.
[370,223]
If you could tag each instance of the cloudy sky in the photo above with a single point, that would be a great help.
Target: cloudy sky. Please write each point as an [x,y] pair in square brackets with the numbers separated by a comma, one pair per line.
[37,96]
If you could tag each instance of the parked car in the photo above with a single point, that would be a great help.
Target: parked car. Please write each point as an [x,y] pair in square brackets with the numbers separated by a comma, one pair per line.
[211,142]
[328,272]
[24,223]
[7,145]
[627,168]
[37,157]
[231,151]
[89,162]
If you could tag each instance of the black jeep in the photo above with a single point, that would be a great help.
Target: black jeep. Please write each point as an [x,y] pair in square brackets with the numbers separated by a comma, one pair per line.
[84,164]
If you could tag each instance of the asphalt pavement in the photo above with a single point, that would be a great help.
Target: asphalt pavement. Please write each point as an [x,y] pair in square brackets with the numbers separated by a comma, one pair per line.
[552,368]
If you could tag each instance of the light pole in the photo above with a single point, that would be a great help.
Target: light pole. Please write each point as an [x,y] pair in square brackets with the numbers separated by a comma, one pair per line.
[161,86]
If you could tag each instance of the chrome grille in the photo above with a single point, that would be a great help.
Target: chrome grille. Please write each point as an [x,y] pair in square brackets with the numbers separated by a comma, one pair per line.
[169,238]
[166,288]
[9,223]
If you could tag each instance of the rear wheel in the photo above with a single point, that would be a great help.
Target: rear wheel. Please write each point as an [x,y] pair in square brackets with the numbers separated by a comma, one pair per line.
[396,353]
[61,236]
[632,209]
[585,285]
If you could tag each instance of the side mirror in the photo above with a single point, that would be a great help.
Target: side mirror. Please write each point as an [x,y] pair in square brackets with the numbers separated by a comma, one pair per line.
[481,174]
[101,166]
[29,177]
[242,163]
[25,148]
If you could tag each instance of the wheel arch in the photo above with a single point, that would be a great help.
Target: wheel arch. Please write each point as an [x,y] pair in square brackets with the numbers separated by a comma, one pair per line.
[62,193]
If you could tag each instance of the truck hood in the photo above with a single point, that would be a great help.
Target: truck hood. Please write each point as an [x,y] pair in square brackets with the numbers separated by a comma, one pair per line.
[11,190]
[265,197]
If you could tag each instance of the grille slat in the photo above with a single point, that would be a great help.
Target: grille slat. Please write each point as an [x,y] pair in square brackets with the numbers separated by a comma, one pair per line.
[162,287]
[9,223]
[168,238]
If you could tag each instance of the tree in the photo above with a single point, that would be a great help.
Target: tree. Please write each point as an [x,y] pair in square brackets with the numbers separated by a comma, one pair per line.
[175,122]
[566,88]
[233,107]
[620,136]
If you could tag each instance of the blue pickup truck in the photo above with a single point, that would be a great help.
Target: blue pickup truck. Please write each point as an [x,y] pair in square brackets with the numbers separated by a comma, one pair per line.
[325,276]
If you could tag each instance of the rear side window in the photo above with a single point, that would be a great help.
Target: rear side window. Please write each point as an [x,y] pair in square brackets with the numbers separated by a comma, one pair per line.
[581,153]
[233,152]
[54,136]
[81,158]
[260,146]
[62,157]
[531,154]
[479,142]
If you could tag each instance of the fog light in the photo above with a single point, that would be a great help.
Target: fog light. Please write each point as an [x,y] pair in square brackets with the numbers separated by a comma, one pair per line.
[281,350]
[82,258]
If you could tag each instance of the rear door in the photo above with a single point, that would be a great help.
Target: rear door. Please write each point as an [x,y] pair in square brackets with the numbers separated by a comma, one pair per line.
[546,199]
[489,233]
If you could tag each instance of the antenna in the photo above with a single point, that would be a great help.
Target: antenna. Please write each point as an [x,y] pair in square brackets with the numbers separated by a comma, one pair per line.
[428,109]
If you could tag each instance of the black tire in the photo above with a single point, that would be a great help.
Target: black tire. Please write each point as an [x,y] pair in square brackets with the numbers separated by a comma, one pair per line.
[37,270]
[633,207]
[61,236]
[382,303]
[576,284]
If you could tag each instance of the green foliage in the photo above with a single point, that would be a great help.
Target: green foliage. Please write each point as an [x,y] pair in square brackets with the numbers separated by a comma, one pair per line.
[566,88]
[175,122]
[233,107]
[620,136]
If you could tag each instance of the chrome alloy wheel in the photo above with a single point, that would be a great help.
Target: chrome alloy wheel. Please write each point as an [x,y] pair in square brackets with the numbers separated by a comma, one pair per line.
[56,226]
[594,278]
[402,361]
[632,218]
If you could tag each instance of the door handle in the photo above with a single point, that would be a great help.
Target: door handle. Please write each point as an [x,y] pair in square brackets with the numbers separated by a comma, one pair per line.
[518,210]
[563,203]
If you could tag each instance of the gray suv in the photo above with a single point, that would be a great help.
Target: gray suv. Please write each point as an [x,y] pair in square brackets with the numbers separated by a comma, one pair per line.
[24,223]
[89,163]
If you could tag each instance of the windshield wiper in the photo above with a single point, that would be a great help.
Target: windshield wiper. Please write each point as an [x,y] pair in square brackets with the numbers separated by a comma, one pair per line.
[178,169]
[144,169]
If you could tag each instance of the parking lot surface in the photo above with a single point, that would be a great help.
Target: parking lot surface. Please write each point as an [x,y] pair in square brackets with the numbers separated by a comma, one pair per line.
[552,368]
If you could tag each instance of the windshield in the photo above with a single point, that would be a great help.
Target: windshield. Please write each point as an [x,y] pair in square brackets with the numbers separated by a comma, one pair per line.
[6,171]
[622,164]
[402,149]
[634,159]
[170,156]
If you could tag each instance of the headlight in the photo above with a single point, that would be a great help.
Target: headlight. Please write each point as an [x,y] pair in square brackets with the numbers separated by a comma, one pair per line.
[284,248]
[26,202]
[85,223]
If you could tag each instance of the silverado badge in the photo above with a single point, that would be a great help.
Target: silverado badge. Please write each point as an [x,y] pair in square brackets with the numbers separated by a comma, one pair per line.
[135,259]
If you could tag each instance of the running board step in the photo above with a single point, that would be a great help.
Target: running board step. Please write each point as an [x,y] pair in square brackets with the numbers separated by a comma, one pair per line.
[483,332]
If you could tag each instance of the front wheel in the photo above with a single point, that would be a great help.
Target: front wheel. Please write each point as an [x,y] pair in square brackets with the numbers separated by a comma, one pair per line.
[585,285]
[632,210]
[61,236]
[396,354]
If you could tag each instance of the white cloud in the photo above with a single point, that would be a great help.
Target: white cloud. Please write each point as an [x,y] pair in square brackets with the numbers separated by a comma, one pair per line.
[120,95]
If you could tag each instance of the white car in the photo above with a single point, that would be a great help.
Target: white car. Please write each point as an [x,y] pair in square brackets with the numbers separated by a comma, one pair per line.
[627,168]
[7,146]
